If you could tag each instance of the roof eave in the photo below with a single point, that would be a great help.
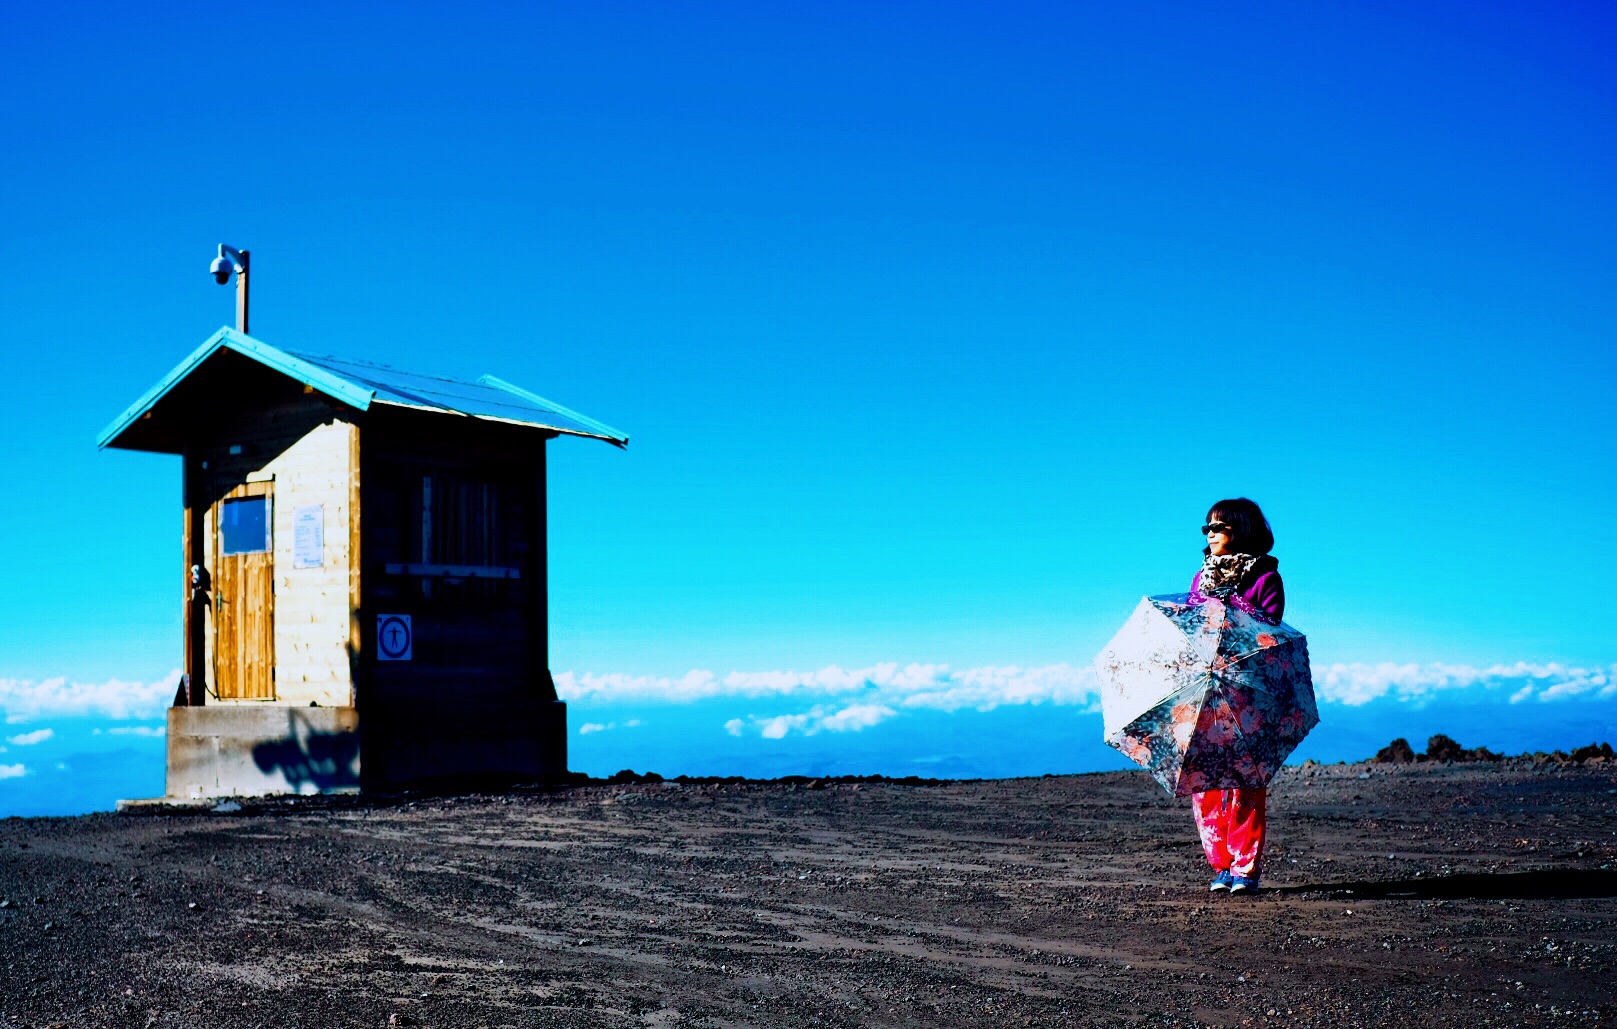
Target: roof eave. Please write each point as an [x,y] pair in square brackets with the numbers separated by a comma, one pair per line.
[551,430]
[229,339]
[602,431]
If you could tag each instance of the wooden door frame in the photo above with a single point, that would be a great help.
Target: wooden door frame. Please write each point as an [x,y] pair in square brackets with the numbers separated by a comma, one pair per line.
[259,488]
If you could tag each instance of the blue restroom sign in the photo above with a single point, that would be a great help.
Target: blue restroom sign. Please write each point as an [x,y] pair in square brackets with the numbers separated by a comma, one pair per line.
[393,637]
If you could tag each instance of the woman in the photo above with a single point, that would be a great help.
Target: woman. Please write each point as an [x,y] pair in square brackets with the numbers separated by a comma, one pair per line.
[1237,569]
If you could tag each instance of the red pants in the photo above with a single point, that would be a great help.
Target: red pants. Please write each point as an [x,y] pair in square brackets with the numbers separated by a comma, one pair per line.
[1231,824]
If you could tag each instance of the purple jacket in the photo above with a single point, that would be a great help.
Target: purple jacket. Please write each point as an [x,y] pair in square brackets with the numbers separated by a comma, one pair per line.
[1264,596]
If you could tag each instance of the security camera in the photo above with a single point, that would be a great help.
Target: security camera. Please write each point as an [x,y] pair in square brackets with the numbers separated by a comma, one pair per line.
[230,260]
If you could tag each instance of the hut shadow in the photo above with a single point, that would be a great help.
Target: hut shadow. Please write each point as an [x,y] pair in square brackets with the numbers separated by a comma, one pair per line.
[310,757]
[1545,884]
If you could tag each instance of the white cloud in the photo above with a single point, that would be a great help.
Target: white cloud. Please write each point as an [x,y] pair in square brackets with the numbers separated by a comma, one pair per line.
[28,739]
[848,700]
[854,699]
[1358,684]
[25,700]
[818,719]
[859,716]
[138,730]
[12,771]
[841,700]
[592,727]
[776,728]
[932,686]
[937,687]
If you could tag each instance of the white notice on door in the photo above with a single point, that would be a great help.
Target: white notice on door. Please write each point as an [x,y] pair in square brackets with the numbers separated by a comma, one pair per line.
[309,537]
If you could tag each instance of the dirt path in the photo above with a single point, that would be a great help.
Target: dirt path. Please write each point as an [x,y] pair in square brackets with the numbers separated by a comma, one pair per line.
[1411,895]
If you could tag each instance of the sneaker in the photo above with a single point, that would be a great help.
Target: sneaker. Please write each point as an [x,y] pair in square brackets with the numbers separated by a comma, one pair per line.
[1221,881]
[1241,884]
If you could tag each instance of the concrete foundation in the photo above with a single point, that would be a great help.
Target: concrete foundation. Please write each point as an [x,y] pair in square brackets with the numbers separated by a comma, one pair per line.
[245,750]
[250,750]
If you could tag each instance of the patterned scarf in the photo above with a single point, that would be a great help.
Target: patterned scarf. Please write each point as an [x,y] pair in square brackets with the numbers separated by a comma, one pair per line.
[1223,574]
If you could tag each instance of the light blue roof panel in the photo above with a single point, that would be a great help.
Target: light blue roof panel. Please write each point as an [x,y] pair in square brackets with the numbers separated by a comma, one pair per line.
[359,384]
[488,397]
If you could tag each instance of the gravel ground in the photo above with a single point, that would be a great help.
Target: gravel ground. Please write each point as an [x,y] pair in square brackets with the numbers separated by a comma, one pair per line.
[1410,895]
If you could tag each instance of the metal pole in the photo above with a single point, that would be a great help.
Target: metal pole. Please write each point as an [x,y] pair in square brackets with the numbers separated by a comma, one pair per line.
[241,293]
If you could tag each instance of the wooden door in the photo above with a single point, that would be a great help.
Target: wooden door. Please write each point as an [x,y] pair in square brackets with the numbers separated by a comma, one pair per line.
[244,593]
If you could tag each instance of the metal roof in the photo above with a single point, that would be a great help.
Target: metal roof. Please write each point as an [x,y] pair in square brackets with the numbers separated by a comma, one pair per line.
[360,384]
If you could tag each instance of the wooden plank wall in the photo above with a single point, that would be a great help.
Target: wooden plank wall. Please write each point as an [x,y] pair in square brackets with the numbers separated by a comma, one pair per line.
[313,622]
[310,448]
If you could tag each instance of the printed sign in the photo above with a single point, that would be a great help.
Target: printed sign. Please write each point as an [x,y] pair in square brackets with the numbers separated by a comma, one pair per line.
[393,638]
[309,537]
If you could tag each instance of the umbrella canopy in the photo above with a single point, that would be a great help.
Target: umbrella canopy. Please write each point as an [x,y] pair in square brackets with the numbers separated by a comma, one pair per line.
[1205,696]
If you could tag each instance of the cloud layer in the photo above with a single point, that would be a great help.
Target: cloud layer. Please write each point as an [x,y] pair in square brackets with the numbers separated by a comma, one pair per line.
[817,719]
[1358,684]
[847,700]
[842,700]
[592,727]
[932,686]
[27,700]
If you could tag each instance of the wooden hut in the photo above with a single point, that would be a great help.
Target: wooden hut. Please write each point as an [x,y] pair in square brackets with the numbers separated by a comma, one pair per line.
[364,572]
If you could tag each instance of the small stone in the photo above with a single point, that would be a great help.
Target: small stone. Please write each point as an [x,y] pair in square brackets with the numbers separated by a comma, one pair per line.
[192,906]
[585,943]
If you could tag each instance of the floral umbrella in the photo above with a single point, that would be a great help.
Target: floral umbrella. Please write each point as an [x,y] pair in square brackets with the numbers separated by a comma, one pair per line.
[1205,696]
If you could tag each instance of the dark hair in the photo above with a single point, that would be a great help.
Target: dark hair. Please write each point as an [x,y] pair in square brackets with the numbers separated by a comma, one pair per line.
[1247,524]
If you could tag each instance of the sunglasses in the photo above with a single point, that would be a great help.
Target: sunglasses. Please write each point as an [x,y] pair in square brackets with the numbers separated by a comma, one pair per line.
[1211,527]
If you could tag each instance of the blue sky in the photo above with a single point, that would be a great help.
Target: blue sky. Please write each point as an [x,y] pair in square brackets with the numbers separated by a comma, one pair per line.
[936,328]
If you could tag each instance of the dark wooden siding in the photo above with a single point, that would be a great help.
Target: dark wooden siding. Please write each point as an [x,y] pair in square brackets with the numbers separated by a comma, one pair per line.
[479,671]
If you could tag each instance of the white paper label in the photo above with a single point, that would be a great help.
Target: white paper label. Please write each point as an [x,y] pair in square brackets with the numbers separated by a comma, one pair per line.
[309,537]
